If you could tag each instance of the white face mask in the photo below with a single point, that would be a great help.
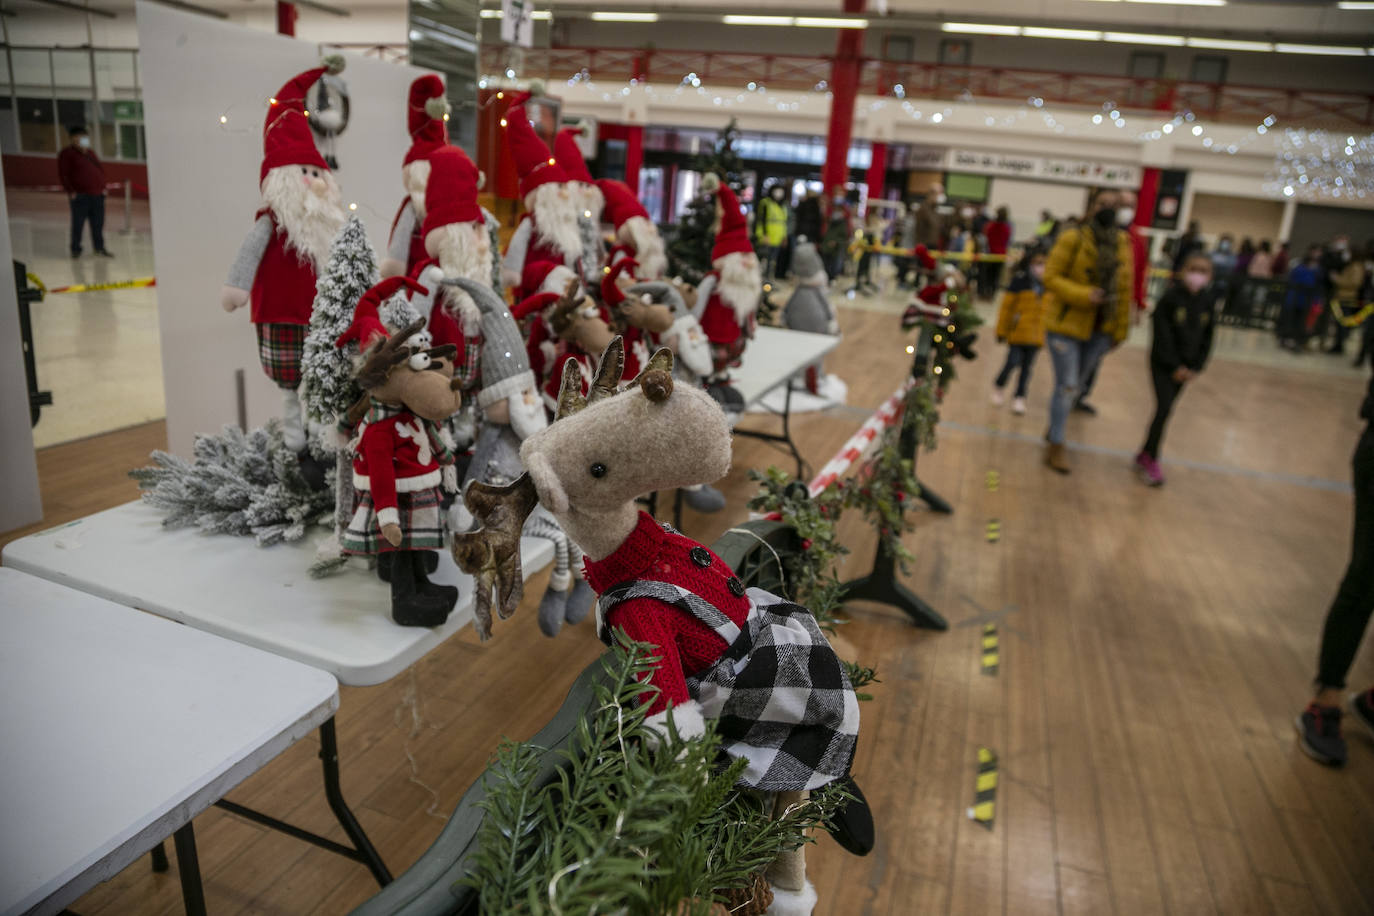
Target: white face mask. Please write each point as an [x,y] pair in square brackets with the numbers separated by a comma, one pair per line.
[1125,216]
[1037,271]
[1196,280]
[83,142]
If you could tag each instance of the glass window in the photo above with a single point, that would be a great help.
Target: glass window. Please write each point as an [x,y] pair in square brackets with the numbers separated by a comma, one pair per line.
[71,72]
[651,190]
[115,75]
[32,71]
[37,125]
[860,157]
[71,112]
[131,144]
[4,74]
[9,127]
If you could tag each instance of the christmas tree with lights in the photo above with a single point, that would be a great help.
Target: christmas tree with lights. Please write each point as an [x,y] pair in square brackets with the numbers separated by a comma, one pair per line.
[689,253]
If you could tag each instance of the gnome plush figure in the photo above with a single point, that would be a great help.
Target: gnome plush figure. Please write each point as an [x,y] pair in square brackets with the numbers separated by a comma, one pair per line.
[570,327]
[636,236]
[427,120]
[732,287]
[401,460]
[276,267]
[541,343]
[808,309]
[757,665]
[588,195]
[550,229]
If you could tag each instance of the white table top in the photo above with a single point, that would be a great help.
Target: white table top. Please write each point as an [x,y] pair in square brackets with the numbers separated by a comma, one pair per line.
[117,728]
[774,356]
[259,596]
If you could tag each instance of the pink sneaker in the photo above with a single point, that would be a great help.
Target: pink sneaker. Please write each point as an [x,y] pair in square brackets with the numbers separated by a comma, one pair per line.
[1150,471]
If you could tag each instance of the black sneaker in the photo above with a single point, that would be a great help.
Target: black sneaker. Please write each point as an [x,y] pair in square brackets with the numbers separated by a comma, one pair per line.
[1362,708]
[1082,406]
[103,253]
[1319,734]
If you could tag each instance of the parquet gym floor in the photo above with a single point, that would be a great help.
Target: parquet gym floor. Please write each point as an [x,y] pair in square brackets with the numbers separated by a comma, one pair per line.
[1155,647]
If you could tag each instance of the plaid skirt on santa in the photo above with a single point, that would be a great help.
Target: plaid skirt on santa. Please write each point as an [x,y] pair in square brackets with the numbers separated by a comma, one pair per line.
[779,696]
[420,520]
[279,350]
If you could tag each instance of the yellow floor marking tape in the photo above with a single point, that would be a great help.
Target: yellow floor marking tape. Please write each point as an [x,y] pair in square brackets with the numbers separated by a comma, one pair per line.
[994,531]
[994,480]
[985,788]
[991,650]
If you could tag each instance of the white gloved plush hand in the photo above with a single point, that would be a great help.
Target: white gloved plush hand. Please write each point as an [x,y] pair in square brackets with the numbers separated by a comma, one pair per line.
[431,277]
[231,298]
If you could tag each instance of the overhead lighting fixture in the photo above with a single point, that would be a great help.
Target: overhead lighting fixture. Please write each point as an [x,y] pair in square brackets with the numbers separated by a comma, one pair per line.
[490,14]
[538,15]
[323,7]
[1142,38]
[1182,2]
[830,22]
[732,19]
[1035,31]
[1330,50]
[979,28]
[617,16]
[1355,5]
[1229,44]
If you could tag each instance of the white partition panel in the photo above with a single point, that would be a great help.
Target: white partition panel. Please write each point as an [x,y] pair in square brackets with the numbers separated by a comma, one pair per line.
[203,176]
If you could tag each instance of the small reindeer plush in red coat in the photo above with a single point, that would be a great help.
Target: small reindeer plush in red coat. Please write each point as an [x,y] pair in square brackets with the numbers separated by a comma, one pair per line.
[400,462]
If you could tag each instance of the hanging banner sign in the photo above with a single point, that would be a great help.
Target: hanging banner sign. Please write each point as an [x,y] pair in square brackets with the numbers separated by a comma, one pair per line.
[517,28]
[1075,171]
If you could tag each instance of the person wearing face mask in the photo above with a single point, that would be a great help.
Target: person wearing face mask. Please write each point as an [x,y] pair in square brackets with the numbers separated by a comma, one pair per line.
[1140,263]
[83,178]
[1344,277]
[1021,324]
[1183,323]
[1304,282]
[1088,283]
[770,229]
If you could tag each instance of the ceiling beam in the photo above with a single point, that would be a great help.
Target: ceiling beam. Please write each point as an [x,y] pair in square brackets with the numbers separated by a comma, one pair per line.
[68,4]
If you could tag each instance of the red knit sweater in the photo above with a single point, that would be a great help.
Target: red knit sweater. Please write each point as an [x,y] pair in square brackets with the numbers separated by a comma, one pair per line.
[686,645]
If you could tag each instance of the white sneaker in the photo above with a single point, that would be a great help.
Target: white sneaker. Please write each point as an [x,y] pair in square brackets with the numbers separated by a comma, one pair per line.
[998,398]
[1018,406]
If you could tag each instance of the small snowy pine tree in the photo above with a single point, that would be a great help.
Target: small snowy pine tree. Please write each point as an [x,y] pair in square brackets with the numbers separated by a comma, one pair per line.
[327,387]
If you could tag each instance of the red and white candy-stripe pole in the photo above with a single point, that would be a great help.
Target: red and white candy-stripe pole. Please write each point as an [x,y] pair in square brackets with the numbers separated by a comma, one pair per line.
[859,444]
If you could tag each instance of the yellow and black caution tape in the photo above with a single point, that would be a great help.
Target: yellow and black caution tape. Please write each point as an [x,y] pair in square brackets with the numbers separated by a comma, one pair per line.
[994,531]
[1350,321]
[136,283]
[992,654]
[33,278]
[985,788]
[994,480]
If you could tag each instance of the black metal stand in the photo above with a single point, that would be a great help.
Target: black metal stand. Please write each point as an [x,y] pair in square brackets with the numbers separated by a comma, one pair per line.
[188,867]
[881,585]
[159,855]
[785,437]
[27,294]
[934,501]
[362,849]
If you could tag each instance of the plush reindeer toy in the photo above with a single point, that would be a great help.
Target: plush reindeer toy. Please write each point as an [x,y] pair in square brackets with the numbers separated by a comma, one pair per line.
[757,665]
[400,463]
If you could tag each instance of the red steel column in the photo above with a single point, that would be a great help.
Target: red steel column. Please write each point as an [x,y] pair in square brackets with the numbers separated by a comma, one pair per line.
[1146,197]
[844,87]
[286,18]
[876,177]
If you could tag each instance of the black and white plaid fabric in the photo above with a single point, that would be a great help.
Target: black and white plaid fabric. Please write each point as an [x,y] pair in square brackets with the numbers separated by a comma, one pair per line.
[779,695]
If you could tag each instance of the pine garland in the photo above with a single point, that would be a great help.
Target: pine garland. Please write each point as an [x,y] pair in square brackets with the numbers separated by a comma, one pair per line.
[237,483]
[623,828]
[809,575]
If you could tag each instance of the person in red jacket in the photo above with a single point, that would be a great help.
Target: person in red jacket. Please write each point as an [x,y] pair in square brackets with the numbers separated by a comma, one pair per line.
[83,178]
[997,231]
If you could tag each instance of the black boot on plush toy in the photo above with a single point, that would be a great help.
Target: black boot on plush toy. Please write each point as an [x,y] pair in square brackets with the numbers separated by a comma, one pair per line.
[852,826]
[312,471]
[411,604]
[431,558]
[424,562]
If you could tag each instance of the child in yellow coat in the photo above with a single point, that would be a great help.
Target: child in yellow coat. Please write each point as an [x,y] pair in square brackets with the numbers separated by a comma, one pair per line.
[1020,323]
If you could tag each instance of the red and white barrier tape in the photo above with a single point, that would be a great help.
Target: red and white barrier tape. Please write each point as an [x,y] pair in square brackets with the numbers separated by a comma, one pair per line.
[860,443]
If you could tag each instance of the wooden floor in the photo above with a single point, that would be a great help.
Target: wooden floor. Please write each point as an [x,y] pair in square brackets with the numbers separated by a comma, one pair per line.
[1155,646]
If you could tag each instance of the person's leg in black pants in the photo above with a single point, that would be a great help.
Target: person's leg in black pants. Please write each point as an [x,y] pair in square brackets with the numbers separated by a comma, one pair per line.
[1027,363]
[97,211]
[1014,356]
[80,209]
[1166,392]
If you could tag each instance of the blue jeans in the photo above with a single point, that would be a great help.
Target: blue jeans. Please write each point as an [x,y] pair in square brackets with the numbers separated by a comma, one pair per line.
[1074,360]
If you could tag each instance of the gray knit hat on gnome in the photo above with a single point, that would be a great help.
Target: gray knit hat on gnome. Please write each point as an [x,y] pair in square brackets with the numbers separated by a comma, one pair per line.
[505,365]
[806,261]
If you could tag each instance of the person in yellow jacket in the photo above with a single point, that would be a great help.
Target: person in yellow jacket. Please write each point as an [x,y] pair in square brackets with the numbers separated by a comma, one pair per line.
[1020,324]
[1087,307]
[770,229]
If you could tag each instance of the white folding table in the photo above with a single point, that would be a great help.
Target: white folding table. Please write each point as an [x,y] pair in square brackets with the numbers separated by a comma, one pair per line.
[117,728]
[773,358]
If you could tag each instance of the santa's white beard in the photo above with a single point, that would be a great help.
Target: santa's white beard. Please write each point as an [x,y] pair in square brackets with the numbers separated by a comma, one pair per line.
[527,415]
[740,283]
[593,202]
[311,220]
[642,235]
[415,177]
[464,251]
[555,218]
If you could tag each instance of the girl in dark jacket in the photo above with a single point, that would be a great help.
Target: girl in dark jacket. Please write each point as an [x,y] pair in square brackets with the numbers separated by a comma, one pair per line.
[1183,321]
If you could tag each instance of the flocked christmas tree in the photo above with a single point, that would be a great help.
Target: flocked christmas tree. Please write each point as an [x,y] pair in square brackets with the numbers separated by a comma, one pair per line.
[689,254]
[327,387]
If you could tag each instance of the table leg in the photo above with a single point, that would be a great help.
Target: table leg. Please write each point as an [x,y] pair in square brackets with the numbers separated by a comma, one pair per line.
[787,431]
[188,866]
[159,854]
[329,754]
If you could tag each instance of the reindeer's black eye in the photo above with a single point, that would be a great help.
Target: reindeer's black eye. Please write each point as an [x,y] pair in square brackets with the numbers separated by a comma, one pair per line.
[598,470]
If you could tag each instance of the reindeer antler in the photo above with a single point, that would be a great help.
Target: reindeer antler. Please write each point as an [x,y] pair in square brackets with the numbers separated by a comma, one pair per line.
[491,554]
[609,373]
[656,379]
[565,309]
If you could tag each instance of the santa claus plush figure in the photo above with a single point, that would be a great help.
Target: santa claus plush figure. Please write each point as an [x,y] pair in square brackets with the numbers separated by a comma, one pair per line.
[302,211]
[427,119]
[588,195]
[549,230]
[733,286]
[636,236]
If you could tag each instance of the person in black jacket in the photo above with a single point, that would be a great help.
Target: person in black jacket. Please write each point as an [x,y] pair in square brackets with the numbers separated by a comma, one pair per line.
[1319,725]
[1183,321]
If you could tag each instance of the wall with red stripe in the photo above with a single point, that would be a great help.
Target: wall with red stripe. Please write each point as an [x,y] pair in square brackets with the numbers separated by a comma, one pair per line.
[41,171]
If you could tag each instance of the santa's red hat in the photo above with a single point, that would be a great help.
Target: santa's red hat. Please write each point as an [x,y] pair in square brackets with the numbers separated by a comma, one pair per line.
[367,323]
[611,294]
[451,194]
[923,258]
[425,118]
[286,136]
[533,160]
[733,237]
[621,202]
[544,277]
[569,155]
[532,304]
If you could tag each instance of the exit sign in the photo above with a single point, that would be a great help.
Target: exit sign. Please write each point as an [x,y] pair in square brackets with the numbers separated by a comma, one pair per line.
[128,111]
